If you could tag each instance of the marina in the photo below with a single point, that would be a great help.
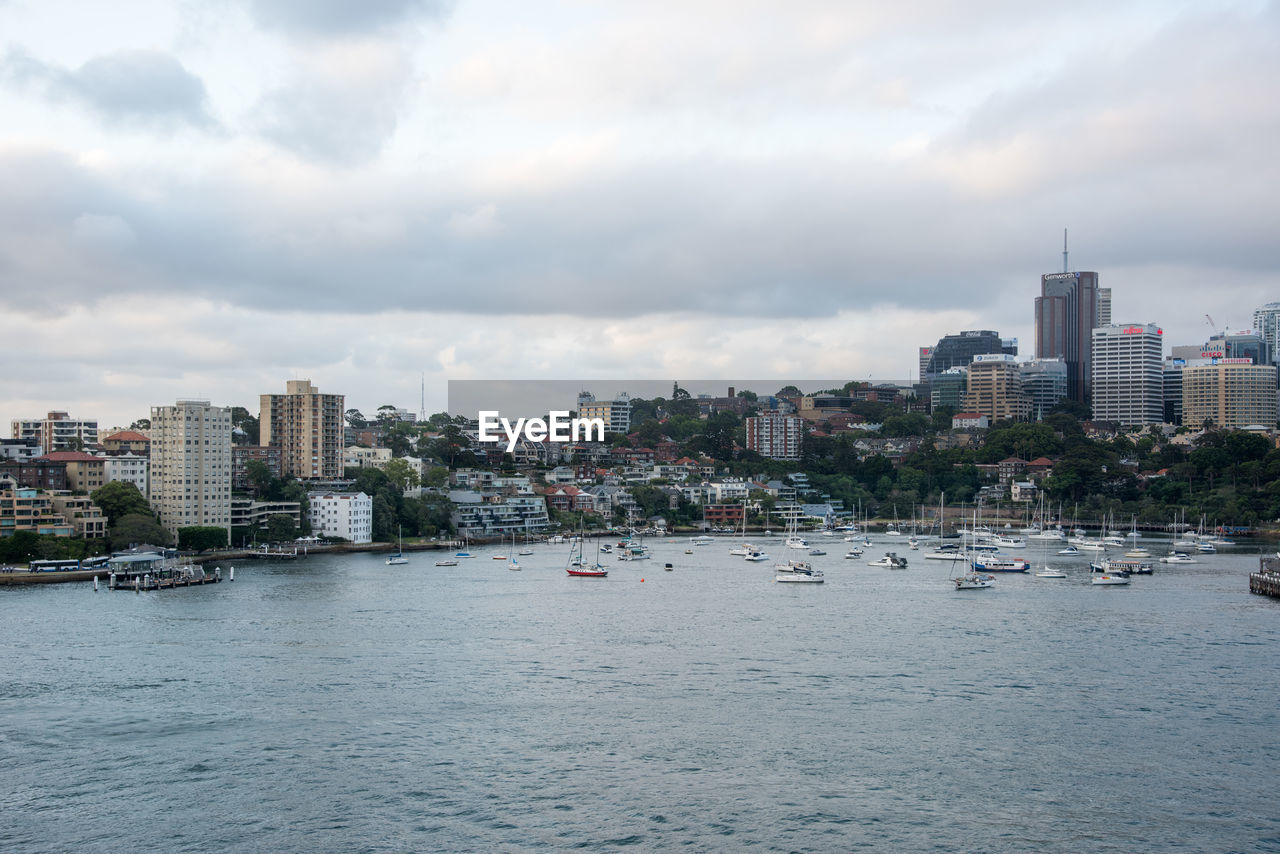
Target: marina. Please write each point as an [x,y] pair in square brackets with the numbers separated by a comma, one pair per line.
[461,707]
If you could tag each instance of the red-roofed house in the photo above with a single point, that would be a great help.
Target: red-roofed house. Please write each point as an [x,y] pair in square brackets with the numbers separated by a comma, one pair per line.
[1039,468]
[127,442]
[970,421]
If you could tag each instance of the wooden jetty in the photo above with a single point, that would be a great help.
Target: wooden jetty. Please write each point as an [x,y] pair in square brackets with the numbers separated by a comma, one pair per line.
[148,583]
[1266,581]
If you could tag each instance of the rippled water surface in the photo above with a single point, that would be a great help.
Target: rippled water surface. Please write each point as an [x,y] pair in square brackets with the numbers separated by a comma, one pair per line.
[337,704]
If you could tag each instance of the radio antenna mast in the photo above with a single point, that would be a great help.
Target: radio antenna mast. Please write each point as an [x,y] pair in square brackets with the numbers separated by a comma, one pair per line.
[1065,268]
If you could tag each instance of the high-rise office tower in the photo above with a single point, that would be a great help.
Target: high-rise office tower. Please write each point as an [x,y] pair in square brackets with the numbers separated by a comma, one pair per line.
[1128,373]
[958,351]
[1066,314]
[1266,322]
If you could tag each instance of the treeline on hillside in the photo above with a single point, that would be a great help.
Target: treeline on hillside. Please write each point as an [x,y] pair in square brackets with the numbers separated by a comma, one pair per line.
[1226,476]
[427,516]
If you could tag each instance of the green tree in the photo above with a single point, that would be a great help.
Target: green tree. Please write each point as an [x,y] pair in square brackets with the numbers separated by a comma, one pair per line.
[141,424]
[260,478]
[20,547]
[402,474]
[201,537]
[241,418]
[118,499]
[355,419]
[136,529]
[281,528]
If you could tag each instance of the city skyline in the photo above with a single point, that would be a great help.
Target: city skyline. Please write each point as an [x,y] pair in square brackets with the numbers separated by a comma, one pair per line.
[203,203]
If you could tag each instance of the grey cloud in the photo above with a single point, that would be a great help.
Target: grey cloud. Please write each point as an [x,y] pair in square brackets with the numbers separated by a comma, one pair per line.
[340,18]
[129,86]
[328,124]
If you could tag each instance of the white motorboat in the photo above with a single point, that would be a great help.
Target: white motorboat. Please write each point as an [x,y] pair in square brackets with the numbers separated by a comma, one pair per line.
[1049,572]
[703,540]
[755,556]
[816,552]
[974,581]
[1069,550]
[1177,557]
[447,562]
[853,553]
[798,572]
[891,561]
[1109,578]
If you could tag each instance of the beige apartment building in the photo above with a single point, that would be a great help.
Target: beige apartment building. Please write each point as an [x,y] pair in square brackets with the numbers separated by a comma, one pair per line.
[1233,393]
[85,472]
[191,464]
[307,427]
[995,388]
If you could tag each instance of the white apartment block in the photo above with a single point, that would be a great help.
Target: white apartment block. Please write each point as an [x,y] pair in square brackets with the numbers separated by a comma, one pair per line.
[57,431]
[616,413]
[1128,373]
[191,465]
[130,468]
[345,515]
[775,436]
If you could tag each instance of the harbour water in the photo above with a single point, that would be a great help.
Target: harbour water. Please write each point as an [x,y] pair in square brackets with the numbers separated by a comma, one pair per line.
[338,704]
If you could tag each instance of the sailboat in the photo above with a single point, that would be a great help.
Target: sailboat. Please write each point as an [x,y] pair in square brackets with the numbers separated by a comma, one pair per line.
[743,548]
[513,564]
[1047,571]
[796,571]
[578,568]
[973,580]
[397,557]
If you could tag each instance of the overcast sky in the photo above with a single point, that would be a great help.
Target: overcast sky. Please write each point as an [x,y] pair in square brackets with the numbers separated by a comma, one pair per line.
[206,199]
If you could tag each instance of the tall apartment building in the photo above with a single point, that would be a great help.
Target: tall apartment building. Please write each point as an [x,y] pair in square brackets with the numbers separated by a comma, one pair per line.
[775,436]
[191,464]
[995,388]
[1231,393]
[57,431]
[616,413]
[1128,373]
[307,427]
[1104,307]
[1066,314]
[1045,383]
